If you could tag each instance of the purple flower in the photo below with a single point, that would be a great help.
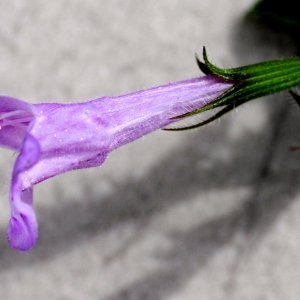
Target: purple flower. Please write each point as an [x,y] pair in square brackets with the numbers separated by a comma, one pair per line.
[55,138]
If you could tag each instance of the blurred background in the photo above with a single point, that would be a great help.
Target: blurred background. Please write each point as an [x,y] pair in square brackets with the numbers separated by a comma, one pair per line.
[211,213]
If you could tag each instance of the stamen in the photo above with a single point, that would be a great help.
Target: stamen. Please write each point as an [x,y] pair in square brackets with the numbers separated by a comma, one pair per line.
[9,114]
[16,118]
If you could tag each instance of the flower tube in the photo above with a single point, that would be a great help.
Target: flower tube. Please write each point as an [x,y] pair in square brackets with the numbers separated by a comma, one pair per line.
[56,138]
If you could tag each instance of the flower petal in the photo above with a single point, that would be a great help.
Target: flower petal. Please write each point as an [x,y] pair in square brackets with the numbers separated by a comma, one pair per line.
[23,230]
[71,136]
[15,117]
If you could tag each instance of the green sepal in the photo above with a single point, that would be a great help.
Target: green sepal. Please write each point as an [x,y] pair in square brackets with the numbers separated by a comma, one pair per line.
[253,71]
[249,82]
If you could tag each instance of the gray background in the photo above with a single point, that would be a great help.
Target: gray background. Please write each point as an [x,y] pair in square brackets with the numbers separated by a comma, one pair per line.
[207,214]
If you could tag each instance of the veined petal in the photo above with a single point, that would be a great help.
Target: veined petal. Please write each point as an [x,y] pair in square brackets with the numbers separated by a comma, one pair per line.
[137,114]
[22,229]
[70,136]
